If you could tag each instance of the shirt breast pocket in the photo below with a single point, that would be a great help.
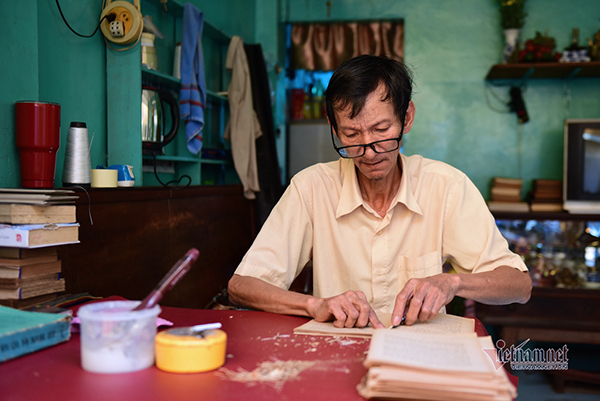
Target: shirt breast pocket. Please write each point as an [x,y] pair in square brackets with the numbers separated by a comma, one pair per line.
[422,266]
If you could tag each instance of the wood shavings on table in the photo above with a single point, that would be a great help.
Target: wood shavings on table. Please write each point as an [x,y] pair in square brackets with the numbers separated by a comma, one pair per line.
[274,373]
[345,341]
[275,337]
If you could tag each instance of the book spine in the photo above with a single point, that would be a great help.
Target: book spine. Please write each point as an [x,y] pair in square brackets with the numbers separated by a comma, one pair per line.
[508,181]
[27,341]
[506,191]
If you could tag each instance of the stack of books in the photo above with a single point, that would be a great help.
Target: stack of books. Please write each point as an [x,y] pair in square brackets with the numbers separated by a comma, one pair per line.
[506,195]
[546,196]
[32,224]
[29,276]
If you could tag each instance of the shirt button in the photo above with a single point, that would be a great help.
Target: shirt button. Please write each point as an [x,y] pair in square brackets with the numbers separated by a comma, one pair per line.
[378,232]
[379,272]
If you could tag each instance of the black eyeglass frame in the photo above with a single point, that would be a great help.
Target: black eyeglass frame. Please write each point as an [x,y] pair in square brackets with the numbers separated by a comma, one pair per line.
[364,146]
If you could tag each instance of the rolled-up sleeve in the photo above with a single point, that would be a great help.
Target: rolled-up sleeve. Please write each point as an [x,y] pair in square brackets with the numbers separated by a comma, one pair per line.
[472,241]
[284,244]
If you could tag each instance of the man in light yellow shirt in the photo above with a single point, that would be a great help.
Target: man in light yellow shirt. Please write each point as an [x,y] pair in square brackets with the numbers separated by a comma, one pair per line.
[377,225]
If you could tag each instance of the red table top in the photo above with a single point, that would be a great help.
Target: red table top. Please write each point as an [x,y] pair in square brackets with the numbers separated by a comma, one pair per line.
[254,339]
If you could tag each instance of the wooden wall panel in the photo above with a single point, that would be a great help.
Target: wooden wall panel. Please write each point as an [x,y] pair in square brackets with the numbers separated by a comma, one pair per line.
[139,233]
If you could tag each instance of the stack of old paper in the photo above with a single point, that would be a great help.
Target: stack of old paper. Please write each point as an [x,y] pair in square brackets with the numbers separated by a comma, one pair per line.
[428,366]
[439,359]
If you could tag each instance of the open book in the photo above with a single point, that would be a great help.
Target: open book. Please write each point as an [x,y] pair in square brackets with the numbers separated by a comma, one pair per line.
[428,366]
[441,324]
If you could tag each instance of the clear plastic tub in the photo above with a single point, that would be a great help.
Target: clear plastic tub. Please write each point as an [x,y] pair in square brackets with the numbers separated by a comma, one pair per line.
[115,339]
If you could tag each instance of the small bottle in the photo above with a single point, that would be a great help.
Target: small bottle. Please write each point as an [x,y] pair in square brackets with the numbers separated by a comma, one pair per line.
[575,41]
[317,99]
[307,106]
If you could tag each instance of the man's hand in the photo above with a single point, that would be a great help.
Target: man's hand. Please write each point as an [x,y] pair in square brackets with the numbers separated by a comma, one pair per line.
[350,309]
[422,298]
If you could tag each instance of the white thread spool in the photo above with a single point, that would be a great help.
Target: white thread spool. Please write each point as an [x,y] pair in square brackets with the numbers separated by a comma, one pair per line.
[77,168]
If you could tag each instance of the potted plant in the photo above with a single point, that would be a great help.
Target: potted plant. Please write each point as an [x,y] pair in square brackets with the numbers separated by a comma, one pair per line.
[512,19]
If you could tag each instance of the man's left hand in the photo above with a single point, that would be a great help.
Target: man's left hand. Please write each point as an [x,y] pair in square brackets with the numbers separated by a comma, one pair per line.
[422,298]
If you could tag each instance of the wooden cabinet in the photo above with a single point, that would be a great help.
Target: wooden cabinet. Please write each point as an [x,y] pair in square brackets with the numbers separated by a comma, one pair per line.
[554,310]
[125,76]
[554,313]
[130,238]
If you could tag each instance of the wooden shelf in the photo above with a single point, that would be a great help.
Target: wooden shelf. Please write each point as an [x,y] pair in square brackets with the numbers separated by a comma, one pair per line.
[159,79]
[222,96]
[125,79]
[544,71]
[181,159]
[561,216]
[215,161]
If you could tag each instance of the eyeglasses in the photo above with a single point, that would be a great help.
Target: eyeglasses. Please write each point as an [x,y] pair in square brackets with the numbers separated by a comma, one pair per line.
[353,151]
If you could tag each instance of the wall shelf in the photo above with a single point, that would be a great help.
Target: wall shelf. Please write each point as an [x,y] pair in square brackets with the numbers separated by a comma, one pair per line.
[544,71]
[217,95]
[125,78]
[215,161]
[159,79]
[180,159]
[561,216]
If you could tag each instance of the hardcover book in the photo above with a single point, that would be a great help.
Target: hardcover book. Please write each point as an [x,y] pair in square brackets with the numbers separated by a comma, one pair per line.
[507,182]
[33,214]
[508,206]
[38,235]
[10,262]
[26,253]
[32,287]
[37,196]
[30,302]
[21,272]
[23,332]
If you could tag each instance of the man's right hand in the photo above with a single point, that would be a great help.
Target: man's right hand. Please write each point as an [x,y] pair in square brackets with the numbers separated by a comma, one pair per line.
[350,309]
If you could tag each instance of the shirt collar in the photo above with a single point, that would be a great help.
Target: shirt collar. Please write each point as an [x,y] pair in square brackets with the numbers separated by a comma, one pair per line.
[405,193]
[351,198]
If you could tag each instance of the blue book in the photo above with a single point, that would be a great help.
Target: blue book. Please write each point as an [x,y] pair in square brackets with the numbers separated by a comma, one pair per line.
[23,332]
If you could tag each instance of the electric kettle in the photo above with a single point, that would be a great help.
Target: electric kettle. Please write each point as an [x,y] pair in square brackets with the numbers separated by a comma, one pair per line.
[153,120]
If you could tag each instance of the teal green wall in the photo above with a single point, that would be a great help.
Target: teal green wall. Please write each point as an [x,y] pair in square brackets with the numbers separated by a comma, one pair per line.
[19,69]
[72,72]
[450,45]
[42,60]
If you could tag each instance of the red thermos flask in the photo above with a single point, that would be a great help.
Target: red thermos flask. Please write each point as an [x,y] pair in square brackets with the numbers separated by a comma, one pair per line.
[37,131]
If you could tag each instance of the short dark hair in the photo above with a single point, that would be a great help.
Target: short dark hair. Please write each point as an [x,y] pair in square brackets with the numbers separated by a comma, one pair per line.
[355,79]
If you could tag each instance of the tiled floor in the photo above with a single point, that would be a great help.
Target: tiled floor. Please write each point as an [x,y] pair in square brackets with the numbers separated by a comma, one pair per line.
[535,386]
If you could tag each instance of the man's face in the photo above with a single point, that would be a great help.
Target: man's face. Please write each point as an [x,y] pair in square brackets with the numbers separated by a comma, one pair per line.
[375,122]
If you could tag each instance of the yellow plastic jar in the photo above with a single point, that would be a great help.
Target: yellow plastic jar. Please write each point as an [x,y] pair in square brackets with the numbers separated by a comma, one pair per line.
[181,350]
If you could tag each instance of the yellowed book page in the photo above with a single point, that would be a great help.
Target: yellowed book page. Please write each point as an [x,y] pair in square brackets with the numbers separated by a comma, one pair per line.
[35,214]
[414,378]
[427,351]
[388,379]
[423,395]
[486,343]
[441,324]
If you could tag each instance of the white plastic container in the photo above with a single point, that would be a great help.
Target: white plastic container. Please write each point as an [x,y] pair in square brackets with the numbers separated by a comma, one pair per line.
[115,339]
